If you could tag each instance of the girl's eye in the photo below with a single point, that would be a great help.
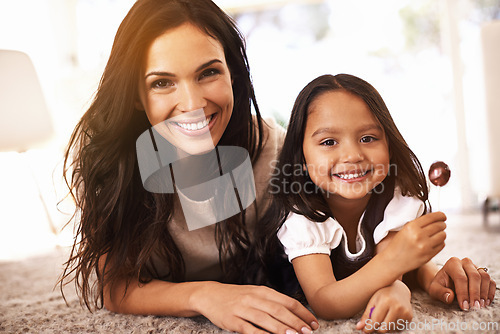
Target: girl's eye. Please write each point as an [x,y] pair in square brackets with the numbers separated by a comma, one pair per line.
[209,73]
[328,142]
[368,139]
[161,83]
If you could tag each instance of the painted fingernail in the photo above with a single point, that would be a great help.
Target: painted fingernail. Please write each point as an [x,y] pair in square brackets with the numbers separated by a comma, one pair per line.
[465,306]
[314,325]
[483,303]
[488,302]
[291,331]
[447,296]
[477,306]
[306,330]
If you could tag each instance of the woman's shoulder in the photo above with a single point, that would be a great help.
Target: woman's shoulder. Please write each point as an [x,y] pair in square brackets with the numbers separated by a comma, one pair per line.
[273,137]
[273,133]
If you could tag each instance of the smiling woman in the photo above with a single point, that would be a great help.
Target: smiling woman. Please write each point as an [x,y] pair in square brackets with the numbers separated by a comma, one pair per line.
[195,76]
[178,67]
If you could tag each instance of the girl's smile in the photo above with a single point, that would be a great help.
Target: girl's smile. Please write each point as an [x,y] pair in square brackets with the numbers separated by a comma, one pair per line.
[352,176]
[345,147]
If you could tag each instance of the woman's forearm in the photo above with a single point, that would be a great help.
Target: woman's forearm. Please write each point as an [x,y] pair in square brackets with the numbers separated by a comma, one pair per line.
[156,298]
[425,274]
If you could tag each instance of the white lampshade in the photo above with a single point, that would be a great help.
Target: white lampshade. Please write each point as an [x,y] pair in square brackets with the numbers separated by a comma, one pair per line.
[24,118]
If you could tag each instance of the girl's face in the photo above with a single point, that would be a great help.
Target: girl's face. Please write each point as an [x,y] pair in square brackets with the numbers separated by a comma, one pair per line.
[345,147]
[186,90]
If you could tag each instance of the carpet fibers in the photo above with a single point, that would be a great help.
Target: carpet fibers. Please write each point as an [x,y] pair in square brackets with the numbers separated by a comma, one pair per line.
[29,304]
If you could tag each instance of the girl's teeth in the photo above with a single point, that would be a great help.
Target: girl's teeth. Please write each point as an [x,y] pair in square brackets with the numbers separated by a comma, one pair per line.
[195,126]
[350,176]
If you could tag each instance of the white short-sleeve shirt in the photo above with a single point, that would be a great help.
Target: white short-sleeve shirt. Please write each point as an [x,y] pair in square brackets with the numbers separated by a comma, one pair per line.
[301,236]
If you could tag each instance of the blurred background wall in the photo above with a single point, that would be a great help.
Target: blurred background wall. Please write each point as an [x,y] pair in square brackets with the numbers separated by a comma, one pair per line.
[424,57]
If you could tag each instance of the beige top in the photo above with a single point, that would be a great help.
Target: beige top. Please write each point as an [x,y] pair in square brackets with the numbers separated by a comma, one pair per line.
[198,247]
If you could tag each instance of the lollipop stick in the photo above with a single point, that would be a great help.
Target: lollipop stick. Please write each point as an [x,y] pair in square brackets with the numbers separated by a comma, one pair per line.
[438,207]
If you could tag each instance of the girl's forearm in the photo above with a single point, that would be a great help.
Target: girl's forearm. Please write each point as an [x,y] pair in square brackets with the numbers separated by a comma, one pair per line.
[345,298]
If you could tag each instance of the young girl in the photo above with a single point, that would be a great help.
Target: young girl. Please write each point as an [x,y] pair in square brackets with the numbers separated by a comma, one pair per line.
[181,60]
[345,183]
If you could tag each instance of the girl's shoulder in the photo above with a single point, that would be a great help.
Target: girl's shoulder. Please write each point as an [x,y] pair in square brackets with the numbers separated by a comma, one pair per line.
[400,210]
[301,236]
[402,205]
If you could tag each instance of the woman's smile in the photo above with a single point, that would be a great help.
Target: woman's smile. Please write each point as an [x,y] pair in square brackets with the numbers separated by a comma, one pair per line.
[193,127]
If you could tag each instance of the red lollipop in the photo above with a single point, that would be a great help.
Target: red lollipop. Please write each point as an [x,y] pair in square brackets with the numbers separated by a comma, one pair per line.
[439,173]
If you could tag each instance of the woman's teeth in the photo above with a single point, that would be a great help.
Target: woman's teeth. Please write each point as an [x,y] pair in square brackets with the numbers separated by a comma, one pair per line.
[195,126]
[351,176]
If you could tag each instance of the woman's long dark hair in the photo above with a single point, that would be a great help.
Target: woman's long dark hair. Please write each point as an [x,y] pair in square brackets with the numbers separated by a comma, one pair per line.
[405,169]
[115,215]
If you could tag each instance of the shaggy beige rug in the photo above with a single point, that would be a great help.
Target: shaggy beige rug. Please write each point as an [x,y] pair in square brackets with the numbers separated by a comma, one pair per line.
[28,303]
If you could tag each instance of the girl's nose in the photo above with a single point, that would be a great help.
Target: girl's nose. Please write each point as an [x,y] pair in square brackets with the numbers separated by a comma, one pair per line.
[190,97]
[351,153]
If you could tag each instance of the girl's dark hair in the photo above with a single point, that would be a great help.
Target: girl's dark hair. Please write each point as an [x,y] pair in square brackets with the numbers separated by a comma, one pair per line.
[295,192]
[115,215]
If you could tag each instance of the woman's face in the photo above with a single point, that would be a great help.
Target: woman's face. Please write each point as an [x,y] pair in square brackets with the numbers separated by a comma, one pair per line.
[186,90]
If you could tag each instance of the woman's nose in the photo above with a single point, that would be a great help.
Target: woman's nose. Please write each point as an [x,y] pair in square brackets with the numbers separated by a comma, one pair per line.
[190,97]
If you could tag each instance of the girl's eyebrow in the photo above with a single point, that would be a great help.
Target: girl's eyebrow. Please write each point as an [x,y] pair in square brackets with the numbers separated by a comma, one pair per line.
[323,130]
[364,128]
[369,127]
[168,74]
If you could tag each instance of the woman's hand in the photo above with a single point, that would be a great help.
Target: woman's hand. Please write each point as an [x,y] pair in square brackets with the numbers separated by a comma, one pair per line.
[417,242]
[385,308]
[253,309]
[473,288]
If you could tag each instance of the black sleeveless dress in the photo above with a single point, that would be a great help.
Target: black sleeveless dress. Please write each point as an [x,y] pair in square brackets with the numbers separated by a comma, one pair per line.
[344,266]
[282,276]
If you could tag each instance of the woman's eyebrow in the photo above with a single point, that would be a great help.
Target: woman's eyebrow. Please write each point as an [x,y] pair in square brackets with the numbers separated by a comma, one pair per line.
[168,74]
[208,63]
[159,73]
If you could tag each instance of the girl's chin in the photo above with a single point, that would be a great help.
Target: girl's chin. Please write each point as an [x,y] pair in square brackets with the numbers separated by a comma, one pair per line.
[347,194]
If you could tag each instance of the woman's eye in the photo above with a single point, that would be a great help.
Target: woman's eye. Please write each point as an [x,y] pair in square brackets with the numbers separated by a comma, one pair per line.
[161,83]
[368,139]
[209,73]
[328,142]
